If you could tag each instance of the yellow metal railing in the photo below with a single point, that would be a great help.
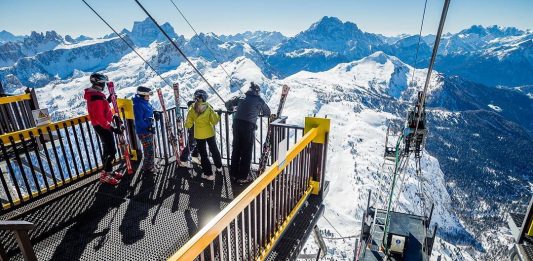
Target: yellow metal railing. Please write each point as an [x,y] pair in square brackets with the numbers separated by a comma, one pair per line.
[315,131]
[15,98]
[34,161]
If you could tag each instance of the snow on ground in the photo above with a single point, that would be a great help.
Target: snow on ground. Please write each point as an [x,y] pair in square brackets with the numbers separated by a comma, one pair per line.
[494,107]
[309,52]
[83,43]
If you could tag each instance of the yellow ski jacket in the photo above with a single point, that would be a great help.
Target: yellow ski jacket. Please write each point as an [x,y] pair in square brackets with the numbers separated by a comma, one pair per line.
[204,119]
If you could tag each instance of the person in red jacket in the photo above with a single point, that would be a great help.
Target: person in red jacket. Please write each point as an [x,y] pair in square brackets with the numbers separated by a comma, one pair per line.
[101,117]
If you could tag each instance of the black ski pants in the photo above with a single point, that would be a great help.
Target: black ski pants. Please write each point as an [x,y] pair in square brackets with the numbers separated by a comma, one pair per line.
[190,149]
[108,146]
[243,144]
[202,144]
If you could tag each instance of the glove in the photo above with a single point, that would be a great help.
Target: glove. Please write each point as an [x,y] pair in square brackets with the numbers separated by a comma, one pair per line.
[219,112]
[157,115]
[117,120]
[151,129]
[116,130]
[272,117]
[110,98]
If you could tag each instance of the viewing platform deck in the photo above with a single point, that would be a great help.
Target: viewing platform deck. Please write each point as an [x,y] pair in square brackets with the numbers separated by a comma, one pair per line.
[53,202]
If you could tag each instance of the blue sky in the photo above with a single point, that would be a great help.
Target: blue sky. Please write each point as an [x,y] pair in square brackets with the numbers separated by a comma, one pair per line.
[387,17]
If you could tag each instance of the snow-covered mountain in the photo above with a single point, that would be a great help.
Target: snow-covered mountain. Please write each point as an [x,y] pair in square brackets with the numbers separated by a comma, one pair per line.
[325,44]
[479,136]
[489,55]
[10,52]
[6,36]
[262,40]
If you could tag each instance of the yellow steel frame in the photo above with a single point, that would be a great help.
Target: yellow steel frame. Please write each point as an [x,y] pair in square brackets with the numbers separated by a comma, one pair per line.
[16,98]
[206,235]
[35,130]
[127,105]
[322,124]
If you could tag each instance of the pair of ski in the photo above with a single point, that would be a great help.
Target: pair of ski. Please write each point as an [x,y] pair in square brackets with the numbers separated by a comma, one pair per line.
[124,146]
[177,143]
[267,146]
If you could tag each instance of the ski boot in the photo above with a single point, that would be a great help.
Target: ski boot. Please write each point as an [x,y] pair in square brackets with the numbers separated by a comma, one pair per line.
[109,179]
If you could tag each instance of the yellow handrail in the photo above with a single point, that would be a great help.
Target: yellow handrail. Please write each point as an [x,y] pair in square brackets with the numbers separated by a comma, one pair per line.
[16,98]
[206,235]
[35,130]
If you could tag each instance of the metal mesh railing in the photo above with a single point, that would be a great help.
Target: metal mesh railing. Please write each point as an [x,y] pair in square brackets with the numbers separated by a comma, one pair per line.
[38,160]
[223,135]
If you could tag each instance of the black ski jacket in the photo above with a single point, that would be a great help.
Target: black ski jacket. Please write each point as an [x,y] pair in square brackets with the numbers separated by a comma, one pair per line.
[248,107]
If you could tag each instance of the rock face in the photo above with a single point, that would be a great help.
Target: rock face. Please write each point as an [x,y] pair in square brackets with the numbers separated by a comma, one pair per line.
[10,52]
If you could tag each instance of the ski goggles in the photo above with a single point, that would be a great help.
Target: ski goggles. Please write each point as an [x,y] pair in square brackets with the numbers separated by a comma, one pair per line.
[150,93]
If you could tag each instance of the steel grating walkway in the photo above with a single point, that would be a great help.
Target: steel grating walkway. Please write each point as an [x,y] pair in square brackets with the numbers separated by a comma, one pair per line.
[146,217]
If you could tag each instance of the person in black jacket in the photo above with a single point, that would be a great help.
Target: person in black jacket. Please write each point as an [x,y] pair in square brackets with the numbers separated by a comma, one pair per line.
[244,125]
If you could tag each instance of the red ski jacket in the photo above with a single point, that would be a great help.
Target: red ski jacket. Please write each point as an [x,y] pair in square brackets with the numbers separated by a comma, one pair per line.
[98,108]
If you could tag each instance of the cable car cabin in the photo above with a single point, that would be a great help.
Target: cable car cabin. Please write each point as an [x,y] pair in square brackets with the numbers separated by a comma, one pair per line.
[390,153]
[390,144]
[406,238]
[416,122]
[521,225]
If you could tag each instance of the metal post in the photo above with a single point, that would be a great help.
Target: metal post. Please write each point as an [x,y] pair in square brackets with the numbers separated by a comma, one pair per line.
[25,245]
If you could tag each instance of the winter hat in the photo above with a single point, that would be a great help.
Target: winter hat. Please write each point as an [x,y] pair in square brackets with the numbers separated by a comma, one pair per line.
[144,91]
[200,94]
[254,87]
[98,80]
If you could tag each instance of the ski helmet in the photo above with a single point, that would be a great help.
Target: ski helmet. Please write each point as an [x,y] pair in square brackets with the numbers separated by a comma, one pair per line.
[144,91]
[200,94]
[254,87]
[98,79]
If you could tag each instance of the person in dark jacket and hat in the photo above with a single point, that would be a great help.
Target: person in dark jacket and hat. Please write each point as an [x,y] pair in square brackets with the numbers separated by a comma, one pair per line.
[144,125]
[101,119]
[244,125]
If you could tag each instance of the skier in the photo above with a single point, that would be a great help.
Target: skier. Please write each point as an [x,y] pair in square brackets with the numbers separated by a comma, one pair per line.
[144,125]
[244,125]
[204,119]
[101,119]
[190,149]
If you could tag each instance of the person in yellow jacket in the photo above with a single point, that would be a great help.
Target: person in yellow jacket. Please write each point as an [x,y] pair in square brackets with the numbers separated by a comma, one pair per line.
[204,119]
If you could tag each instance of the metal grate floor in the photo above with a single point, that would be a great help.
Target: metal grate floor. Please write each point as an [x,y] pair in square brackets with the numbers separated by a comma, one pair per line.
[145,217]
[293,240]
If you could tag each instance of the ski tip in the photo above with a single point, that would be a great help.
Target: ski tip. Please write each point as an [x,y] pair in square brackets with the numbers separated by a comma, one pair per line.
[285,89]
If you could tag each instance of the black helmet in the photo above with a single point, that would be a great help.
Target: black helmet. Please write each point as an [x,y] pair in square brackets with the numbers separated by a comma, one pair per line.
[200,94]
[254,87]
[144,91]
[98,79]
